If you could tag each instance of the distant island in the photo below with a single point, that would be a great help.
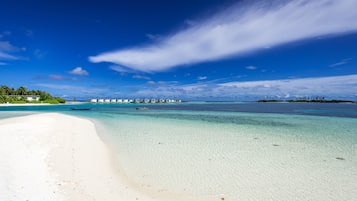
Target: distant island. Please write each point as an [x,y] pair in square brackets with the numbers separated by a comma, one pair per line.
[22,96]
[306,100]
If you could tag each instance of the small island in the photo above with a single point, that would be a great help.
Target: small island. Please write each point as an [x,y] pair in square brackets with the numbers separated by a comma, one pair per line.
[306,100]
[23,96]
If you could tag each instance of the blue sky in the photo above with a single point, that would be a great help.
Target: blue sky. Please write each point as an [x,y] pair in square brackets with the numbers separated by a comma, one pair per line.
[193,50]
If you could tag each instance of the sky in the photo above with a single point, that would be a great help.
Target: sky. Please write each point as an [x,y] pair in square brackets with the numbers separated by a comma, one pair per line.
[190,50]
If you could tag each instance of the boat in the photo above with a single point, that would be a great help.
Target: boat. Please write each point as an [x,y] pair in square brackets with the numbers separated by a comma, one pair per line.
[141,108]
[81,108]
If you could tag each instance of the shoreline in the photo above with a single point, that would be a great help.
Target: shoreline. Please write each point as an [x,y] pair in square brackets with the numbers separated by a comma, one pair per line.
[38,104]
[52,156]
[23,104]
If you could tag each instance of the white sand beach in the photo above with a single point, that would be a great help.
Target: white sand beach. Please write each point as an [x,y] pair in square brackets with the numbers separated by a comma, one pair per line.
[51,156]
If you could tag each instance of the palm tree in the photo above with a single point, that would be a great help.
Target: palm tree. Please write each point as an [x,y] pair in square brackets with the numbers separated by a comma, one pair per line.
[4,90]
[21,91]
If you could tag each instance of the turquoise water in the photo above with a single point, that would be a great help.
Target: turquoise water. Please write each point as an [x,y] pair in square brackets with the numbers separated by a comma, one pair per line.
[206,154]
[10,114]
[237,151]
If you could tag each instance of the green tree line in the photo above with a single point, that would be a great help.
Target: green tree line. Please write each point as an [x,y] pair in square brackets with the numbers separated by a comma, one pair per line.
[19,95]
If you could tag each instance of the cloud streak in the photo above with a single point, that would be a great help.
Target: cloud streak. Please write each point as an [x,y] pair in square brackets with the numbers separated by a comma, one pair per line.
[6,51]
[251,67]
[202,77]
[56,77]
[141,77]
[343,62]
[238,30]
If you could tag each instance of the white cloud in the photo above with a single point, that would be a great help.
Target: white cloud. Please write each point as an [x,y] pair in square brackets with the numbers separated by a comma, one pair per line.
[78,71]
[202,77]
[251,67]
[334,86]
[238,30]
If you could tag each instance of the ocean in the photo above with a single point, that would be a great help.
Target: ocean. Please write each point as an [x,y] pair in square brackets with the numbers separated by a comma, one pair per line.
[231,150]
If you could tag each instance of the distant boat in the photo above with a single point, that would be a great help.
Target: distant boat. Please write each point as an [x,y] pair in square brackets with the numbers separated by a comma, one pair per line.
[141,108]
[81,108]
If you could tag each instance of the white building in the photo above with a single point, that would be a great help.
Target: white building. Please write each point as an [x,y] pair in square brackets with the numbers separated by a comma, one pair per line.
[100,100]
[32,98]
[119,100]
[113,100]
[93,100]
[107,100]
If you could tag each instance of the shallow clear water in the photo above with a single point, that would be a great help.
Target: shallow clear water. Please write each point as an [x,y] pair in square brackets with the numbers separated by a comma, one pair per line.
[207,154]
[245,151]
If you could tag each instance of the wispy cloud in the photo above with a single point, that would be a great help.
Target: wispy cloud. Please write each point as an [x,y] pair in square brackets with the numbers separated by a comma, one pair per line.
[78,71]
[6,46]
[56,77]
[202,77]
[240,29]
[334,86]
[161,82]
[251,67]
[7,51]
[340,63]
[190,22]
[5,56]
[141,77]
[120,69]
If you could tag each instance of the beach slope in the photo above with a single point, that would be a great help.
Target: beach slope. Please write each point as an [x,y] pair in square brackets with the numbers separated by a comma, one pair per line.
[53,156]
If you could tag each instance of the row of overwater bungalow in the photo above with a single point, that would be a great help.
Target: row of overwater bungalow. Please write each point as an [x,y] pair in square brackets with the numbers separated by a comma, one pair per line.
[146,100]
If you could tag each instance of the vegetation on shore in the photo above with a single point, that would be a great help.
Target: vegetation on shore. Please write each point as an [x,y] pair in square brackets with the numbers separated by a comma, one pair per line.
[21,94]
[306,100]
